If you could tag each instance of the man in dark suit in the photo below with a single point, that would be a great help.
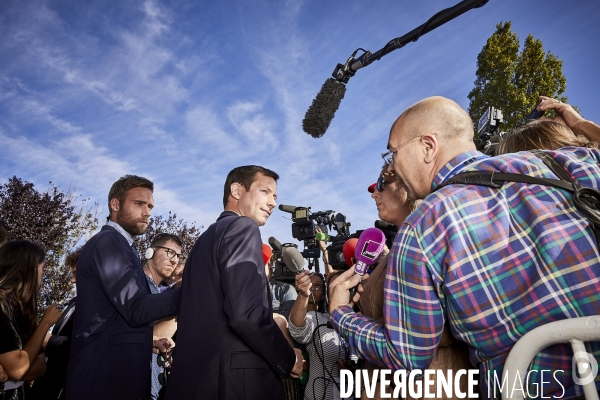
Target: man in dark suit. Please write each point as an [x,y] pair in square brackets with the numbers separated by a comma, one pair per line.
[112,333]
[228,345]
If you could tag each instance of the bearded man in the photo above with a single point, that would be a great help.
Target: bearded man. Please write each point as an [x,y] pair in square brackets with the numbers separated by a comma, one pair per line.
[112,333]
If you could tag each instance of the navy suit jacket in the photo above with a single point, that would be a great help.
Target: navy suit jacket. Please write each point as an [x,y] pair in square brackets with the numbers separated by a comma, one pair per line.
[58,350]
[111,346]
[228,345]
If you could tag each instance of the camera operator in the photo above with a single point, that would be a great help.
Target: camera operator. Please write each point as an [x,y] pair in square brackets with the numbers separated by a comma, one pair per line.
[283,294]
[566,115]
[567,129]
[487,260]
[308,326]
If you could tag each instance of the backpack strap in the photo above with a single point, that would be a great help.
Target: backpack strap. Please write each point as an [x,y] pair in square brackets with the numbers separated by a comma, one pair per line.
[497,179]
[586,200]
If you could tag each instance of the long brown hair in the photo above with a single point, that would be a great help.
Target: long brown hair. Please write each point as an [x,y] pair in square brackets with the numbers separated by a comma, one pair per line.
[19,260]
[541,135]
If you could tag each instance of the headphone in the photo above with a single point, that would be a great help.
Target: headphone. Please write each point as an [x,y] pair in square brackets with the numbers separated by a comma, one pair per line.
[150,250]
[149,253]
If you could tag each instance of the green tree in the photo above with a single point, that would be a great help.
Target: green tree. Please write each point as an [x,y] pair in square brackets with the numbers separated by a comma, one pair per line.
[61,221]
[57,220]
[511,80]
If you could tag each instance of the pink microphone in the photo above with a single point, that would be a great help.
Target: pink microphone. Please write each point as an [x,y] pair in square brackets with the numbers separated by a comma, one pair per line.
[367,252]
[368,249]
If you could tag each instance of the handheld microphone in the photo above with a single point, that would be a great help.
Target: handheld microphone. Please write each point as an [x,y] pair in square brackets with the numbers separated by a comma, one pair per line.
[266,253]
[322,236]
[368,250]
[293,259]
[287,208]
[380,224]
[323,108]
[275,244]
[348,251]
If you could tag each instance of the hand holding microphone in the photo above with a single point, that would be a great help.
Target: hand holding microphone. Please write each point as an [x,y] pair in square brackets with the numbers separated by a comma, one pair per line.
[368,249]
[295,262]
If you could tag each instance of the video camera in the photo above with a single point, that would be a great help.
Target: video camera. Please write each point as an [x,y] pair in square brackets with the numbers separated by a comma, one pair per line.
[490,121]
[311,227]
[487,126]
[280,270]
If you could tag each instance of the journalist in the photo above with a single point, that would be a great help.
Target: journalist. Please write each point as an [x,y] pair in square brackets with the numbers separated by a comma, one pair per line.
[495,262]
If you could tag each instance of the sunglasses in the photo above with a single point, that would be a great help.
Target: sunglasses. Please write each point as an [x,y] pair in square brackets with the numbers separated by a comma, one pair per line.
[384,178]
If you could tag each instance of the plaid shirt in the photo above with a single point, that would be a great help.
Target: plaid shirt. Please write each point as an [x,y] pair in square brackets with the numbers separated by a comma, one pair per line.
[494,264]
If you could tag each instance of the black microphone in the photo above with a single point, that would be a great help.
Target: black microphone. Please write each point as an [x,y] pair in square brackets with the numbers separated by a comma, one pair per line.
[275,244]
[323,108]
[380,224]
[293,259]
[287,208]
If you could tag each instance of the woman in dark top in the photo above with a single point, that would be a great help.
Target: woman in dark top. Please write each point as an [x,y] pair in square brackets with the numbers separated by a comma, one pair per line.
[21,268]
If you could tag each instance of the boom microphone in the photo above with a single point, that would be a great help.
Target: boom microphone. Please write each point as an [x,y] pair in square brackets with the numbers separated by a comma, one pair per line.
[293,259]
[323,108]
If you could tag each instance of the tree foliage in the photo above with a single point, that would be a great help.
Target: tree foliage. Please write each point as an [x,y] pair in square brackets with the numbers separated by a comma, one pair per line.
[511,80]
[61,221]
[170,224]
[55,219]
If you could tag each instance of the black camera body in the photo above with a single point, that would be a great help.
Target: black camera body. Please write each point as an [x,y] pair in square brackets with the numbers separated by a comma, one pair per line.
[281,271]
[306,225]
[488,125]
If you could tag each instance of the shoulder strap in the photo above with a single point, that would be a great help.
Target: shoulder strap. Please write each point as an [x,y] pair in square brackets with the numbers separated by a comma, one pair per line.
[497,179]
[586,200]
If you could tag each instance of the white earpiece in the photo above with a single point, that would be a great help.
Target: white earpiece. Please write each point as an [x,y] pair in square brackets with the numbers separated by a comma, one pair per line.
[149,253]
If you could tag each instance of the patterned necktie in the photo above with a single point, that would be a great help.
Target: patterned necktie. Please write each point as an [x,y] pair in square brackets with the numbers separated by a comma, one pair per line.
[135,251]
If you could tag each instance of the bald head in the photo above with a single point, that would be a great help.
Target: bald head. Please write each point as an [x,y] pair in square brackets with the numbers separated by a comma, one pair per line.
[424,138]
[438,115]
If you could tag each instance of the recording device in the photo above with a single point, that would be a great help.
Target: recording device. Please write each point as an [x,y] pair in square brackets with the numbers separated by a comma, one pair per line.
[293,260]
[487,126]
[348,251]
[305,227]
[280,270]
[368,251]
[534,114]
[388,230]
[323,108]
[489,123]
[276,246]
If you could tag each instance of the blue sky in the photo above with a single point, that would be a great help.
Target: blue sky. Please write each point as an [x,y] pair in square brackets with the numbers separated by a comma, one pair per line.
[183,91]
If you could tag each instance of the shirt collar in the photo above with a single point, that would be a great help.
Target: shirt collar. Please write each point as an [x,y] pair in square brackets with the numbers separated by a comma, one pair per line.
[122,231]
[456,165]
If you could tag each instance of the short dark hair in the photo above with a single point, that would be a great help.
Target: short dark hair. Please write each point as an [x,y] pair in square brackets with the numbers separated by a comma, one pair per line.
[245,175]
[162,238]
[125,183]
[71,259]
[4,235]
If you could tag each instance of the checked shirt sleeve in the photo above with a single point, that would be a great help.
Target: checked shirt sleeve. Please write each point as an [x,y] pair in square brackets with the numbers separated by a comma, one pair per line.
[412,309]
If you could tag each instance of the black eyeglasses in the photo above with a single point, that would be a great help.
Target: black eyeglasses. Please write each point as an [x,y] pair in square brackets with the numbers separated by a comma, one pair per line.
[316,288]
[171,253]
